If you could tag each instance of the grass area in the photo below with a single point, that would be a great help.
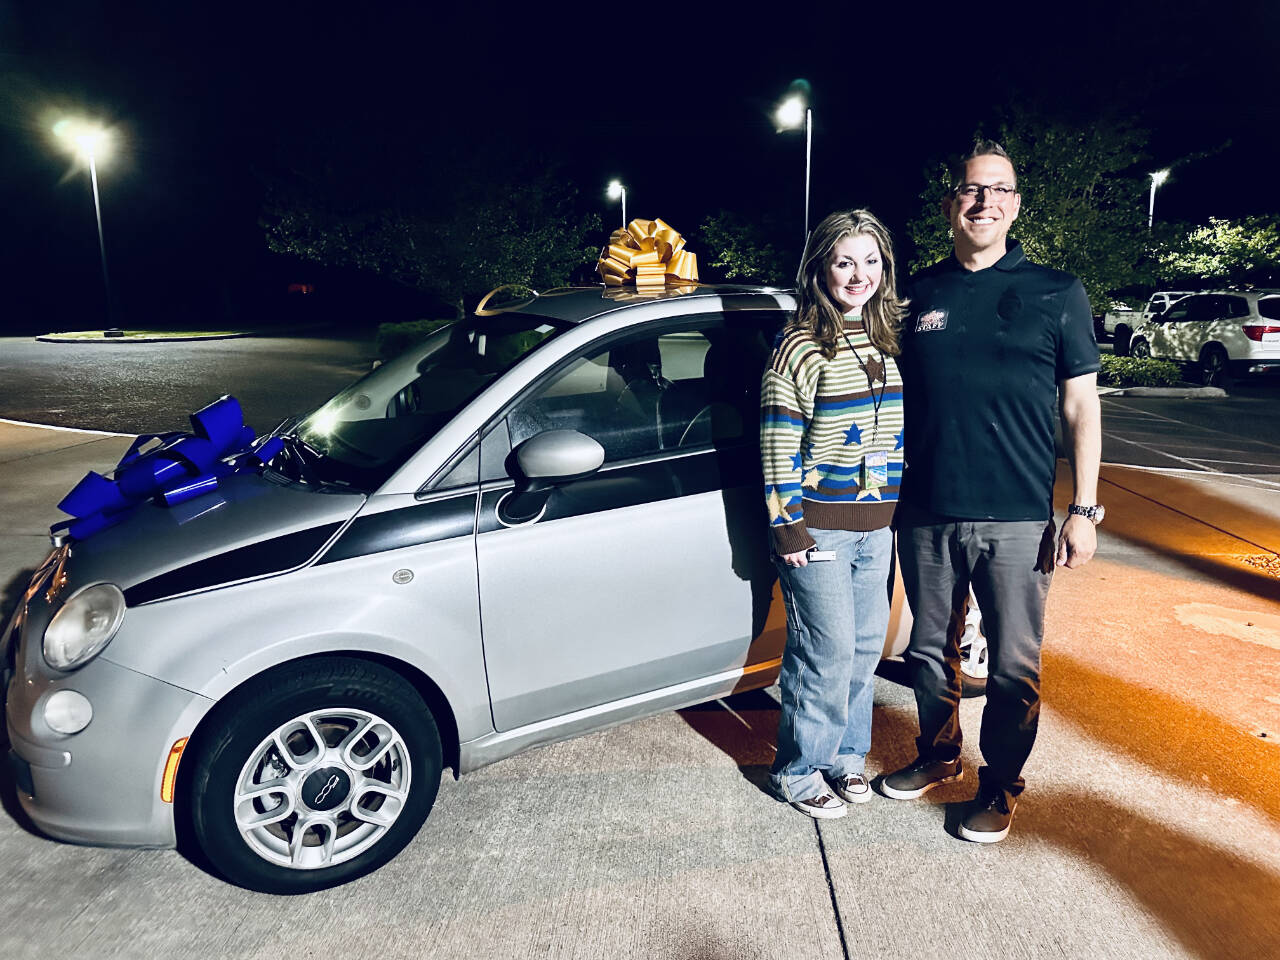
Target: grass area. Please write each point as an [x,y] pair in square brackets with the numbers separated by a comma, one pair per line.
[131,334]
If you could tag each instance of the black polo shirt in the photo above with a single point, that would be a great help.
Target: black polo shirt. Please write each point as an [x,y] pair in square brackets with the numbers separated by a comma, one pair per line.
[982,354]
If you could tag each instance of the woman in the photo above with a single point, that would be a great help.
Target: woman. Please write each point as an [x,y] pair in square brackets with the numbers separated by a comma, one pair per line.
[831,440]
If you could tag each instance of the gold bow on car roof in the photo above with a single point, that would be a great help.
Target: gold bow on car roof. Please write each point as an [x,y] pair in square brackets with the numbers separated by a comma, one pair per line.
[648,253]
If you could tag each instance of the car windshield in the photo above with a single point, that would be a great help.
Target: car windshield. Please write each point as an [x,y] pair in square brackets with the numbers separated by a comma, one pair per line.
[366,432]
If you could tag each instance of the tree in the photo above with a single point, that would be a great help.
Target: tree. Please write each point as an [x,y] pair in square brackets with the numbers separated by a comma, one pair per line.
[1225,251]
[467,225]
[1083,201]
[742,249]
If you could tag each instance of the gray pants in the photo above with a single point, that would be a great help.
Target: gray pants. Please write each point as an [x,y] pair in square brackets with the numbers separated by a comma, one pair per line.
[1009,564]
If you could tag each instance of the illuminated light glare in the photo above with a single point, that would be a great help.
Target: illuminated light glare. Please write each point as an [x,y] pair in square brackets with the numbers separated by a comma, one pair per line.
[88,140]
[615,189]
[324,421]
[1159,177]
[790,113]
[170,778]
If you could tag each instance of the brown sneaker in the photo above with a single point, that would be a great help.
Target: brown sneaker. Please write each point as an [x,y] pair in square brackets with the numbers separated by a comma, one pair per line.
[920,777]
[852,789]
[822,807]
[989,819]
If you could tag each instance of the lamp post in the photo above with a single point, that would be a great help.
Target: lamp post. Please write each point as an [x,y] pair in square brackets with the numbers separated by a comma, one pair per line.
[793,111]
[1157,178]
[616,190]
[89,142]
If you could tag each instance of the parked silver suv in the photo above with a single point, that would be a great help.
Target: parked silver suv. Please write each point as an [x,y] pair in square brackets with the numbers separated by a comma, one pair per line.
[540,522]
[1224,333]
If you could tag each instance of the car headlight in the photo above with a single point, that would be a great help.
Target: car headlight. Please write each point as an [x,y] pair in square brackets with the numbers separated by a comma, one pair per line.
[85,624]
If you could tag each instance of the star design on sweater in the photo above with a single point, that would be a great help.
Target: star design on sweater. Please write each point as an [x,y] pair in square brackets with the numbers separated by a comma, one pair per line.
[812,479]
[853,434]
[777,509]
[898,437]
[874,368]
[797,461]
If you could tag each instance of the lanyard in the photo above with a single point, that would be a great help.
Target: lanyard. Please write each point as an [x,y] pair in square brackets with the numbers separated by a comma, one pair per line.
[871,384]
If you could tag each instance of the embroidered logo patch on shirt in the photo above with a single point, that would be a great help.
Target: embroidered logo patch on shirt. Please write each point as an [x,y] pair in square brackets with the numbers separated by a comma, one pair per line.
[931,320]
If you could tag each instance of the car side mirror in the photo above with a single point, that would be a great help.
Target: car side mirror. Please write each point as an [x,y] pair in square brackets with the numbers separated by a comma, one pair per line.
[544,462]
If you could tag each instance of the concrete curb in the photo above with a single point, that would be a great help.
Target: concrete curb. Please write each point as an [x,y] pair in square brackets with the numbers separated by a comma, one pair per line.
[1180,393]
[57,338]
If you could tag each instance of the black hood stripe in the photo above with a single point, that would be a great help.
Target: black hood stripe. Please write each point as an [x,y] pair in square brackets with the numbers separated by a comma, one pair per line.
[256,560]
[407,527]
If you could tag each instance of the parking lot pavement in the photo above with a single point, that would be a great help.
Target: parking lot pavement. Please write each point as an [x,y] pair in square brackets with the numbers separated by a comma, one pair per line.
[1150,827]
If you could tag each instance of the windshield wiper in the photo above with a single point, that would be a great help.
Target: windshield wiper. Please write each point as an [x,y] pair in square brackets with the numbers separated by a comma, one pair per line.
[301,456]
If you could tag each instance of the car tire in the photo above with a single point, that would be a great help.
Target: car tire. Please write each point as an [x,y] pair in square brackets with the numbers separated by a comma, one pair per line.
[1139,348]
[1215,366]
[1121,339]
[972,686]
[973,671]
[348,746]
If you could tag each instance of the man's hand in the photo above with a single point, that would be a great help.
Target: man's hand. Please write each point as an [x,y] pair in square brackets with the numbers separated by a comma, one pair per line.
[1077,542]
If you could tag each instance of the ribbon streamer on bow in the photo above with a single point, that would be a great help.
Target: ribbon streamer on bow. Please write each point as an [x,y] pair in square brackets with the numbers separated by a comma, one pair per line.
[648,253]
[184,466]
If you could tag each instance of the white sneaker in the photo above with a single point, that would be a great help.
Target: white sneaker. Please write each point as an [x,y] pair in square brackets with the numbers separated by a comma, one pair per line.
[853,788]
[822,807]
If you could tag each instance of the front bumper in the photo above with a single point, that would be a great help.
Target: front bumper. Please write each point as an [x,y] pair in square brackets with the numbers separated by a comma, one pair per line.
[101,785]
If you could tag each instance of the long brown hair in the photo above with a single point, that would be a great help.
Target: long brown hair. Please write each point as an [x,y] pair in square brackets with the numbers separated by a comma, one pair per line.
[819,314]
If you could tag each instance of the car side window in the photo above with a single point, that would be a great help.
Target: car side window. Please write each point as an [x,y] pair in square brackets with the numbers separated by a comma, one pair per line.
[1269,308]
[1178,312]
[671,389]
[463,471]
[1236,307]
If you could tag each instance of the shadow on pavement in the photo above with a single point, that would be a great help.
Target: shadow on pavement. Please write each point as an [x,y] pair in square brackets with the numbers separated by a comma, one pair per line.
[1213,902]
[1182,741]
[743,726]
[1187,522]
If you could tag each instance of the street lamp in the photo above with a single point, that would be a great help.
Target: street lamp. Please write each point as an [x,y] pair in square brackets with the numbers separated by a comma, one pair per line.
[790,114]
[616,190]
[1157,178]
[90,142]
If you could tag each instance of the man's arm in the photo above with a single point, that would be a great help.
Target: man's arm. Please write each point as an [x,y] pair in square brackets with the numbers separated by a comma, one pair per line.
[1082,434]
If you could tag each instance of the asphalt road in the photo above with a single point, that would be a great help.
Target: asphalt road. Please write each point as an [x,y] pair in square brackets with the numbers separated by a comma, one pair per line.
[1238,435]
[152,387]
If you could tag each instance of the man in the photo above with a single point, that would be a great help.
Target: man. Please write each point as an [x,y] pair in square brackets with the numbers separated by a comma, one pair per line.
[991,341]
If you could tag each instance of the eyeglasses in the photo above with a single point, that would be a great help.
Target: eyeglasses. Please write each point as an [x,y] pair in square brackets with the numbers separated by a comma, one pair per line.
[999,192]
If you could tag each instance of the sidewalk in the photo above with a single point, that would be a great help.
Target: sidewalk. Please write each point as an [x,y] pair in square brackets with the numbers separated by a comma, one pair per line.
[1150,827]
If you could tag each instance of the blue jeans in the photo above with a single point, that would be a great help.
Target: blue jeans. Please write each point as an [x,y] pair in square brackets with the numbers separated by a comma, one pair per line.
[837,614]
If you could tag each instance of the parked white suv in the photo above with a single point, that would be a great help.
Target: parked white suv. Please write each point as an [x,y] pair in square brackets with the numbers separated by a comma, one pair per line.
[1225,333]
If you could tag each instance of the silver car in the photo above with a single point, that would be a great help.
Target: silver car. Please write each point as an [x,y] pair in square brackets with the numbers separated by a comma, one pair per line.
[540,522]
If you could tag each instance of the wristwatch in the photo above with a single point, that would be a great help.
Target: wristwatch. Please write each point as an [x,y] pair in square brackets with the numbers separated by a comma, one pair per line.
[1094,513]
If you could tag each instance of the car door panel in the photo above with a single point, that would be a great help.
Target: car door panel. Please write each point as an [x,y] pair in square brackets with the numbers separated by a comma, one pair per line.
[652,572]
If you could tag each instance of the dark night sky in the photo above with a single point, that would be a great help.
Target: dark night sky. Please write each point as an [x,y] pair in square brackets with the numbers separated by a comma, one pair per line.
[203,96]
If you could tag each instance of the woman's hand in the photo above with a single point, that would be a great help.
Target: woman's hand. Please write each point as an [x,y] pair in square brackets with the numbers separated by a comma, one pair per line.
[796,559]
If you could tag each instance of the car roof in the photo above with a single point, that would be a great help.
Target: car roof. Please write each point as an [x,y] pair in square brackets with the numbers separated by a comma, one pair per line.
[578,304]
[1257,292]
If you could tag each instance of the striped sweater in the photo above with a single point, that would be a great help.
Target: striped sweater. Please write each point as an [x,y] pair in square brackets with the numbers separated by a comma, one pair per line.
[817,422]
